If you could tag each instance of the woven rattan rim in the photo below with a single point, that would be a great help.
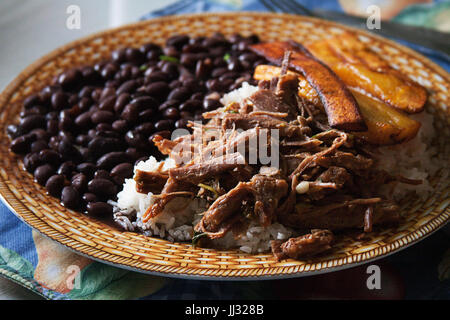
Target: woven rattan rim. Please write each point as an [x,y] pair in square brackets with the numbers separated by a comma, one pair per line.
[224,265]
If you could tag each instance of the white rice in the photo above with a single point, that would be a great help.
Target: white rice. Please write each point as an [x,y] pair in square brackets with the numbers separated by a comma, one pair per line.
[413,160]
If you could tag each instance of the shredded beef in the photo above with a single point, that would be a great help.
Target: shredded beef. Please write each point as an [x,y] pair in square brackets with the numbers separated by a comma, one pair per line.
[307,245]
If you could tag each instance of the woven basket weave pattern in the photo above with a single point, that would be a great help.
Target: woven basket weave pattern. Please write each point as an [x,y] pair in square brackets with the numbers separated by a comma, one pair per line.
[99,241]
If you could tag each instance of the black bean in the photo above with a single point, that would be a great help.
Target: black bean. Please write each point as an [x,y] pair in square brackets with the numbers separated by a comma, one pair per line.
[177,41]
[120,126]
[134,55]
[234,64]
[122,100]
[108,103]
[106,93]
[226,83]
[189,59]
[79,182]
[22,144]
[181,124]
[99,209]
[67,136]
[154,55]
[50,156]
[197,96]
[163,125]
[145,48]
[84,120]
[146,128]
[109,71]
[144,102]
[235,38]
[103,188]
[191,106]
[82,140]
[249,57]
[60,100]
[211,104]
[52,126]
[14,131]
[219,62]
[66,169]
[130,113]
[158,89]
[110,160]
[133,153]
[175,84]
[32,122]
[229,75]
[87,168]
[39,145]
[124,74]
[254,38]
[169,104]
[157,76]
[146,115]
[218,72]
[70,198]
[54,185]
[136,140]
[119,55]
[85,104]
[165,134]
[96,94]
[52,115]
[68,150]
[121,172]
[90,197]
[36,110]
[54,142]
[99,65]
[214,85]
[243,45]
[70,79]
[109,134]
[172,113]
[127,87]
[187,115]
[86,92]
[42,173]
[104,127]
[31,101]
[90,75]
[102,117]
[102,174]
[31,161]
[202,68]
[171,69]
[180,94]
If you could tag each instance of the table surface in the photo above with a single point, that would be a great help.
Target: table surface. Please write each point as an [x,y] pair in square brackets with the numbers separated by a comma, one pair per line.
[31,28]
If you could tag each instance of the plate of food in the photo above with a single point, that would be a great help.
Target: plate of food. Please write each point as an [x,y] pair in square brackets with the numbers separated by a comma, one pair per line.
[229,146]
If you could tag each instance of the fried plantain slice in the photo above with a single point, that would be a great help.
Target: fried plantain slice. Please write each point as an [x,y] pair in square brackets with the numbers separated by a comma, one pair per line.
[362,69]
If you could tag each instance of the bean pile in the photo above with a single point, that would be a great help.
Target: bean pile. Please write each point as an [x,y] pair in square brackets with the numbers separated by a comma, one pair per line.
[82,135]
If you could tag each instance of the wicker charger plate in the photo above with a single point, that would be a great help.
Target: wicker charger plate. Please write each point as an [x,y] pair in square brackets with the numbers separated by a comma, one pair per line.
[98,241]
